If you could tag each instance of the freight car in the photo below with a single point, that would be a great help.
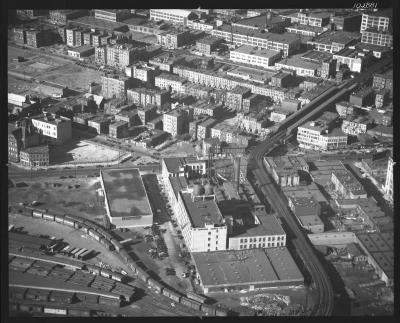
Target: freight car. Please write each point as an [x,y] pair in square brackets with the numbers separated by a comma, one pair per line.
[190,303]
[208,309]
[196,297]
[84,228]
[143,276]
[37,214]
[59,219]
[31,308]
[48,216]
[68,220]
[106,243]
[156,285]
[221,312]
[124,255]
[79,312]
[116,244]
[172,295]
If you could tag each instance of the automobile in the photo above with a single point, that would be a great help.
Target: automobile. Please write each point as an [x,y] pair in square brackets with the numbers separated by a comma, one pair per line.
[185,275]
[35,203]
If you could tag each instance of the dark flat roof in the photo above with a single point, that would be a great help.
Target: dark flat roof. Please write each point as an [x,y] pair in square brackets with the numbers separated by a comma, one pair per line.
[232,267]
[125,192]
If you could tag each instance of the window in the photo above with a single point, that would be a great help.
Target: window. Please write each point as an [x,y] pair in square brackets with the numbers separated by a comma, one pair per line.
[208,244]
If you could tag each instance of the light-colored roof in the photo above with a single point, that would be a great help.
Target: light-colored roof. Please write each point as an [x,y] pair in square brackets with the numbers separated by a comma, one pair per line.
[177,12]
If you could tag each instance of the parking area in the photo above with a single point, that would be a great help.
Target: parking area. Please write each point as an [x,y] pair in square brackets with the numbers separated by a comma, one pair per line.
[64,194]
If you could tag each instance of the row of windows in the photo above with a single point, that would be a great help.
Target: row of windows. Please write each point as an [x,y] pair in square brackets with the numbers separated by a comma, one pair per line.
[262,245]
[263,239]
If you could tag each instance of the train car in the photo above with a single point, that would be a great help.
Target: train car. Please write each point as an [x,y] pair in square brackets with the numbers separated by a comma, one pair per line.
[84,228]
[93,269]
[105,273]
[117,276]
[208,309]
[132,265]
[116,244]
[124,255]
[37,214]
[17,293]
[61,297]
[172,295]
[54,310]
[109,245]
[48,216]
[143,276]
[221,312]
[37,294]
[77,224]
[69,221]
[190,303]
[79,312]
[111,301]
[196,297]
[59,219]
[154,284]
[31,308]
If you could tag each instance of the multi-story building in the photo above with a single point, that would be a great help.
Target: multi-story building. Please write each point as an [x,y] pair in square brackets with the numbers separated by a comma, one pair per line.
[198,91]
[355,125]
[204,128]
[334,41]
[174,38]
[347,185]
[21,136]
[300,66]
[208,44]
[315,135]
[315,18]
[175,122]
[264,23]
[81,51]
[176,16]
[99,124]
[344,109]
[354,59]
[142,72]
[33,12]
[115,86]
[226,82]
[254,102]
[61,17]
[187,167]
[146,113]
[143,96]
[100,55]
[115,15]
[200,25]
[166,61]
[54,129]
[171,82]
[285,170]
[307,210]
[383,81]
[235,96]
[117,129]
[381,20]
[205,108]
[382,98]
[122,55]
[251,122]
[281,79]
[305,30]
[19,35]
[389,179]
[70,33]
[35,156]
[255,56]
[130,117]
[362,97]
[285,43]
[347,21]
[38,38]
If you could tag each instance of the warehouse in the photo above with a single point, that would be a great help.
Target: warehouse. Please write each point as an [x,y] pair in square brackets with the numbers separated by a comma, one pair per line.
[126,199]
[246,270]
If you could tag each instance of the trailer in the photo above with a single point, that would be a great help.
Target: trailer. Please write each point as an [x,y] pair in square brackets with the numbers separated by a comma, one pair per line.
[196,297]
[37,214]
[76,252]
[59,219]
[47,216]
[63,250]
[190,303]
[70,251]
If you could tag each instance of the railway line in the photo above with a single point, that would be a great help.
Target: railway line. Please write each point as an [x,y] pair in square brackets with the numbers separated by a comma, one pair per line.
[323,286]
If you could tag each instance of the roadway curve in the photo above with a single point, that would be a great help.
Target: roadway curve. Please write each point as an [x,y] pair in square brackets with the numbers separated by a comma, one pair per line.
[277,200]
[325,297]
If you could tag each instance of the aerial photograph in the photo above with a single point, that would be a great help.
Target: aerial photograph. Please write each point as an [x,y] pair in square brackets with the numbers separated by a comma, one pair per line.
[200,162]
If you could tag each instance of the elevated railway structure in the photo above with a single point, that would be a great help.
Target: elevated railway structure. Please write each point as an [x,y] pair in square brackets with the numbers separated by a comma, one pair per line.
[302,246]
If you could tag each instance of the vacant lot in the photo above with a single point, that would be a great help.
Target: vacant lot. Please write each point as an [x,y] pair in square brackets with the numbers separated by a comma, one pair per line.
[73,196]
[82,152]
[179,149]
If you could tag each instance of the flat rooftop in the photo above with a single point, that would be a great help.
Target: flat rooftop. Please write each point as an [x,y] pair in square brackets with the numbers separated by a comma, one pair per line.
[92,22]
[202,212]
[229,268]
[256,51]
[298,61]
[259,21]
[125,192]
[338,37]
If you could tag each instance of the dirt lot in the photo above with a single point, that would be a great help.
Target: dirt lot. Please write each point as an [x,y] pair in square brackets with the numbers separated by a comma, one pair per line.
[83,151]
[75,196]
[179,149]
[53,69]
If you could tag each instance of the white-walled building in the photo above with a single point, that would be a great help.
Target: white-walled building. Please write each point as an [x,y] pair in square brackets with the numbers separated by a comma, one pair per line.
[314,136]
[55,129]
[255,56]
[389,178]
[176,16]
